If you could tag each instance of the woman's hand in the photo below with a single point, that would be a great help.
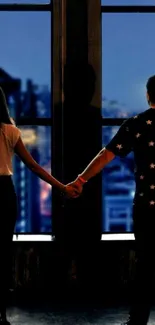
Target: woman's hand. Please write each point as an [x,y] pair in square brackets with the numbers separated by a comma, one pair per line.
[70,191]
[74,189]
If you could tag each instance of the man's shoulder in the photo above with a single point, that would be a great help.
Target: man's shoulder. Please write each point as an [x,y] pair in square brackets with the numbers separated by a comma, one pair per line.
[135,120]
[141,115]
[138,121]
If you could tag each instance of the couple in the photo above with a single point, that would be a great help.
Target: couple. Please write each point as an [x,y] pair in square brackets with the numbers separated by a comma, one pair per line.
[136,134]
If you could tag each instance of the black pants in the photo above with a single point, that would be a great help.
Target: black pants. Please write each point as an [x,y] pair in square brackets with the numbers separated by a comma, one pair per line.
[8,208]
[141,295]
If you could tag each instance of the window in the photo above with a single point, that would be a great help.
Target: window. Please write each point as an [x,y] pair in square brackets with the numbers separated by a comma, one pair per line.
[118,189]
[26,62]
[34,195]
[127,2]
[127,63]
[24,1]
[25,77]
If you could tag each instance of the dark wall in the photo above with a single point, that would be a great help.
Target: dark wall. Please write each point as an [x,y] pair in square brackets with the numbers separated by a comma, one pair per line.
[35,270]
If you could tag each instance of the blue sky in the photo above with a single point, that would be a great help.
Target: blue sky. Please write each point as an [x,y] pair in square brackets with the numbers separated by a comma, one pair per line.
[25,39]
[128,57]
[128,2]
[24,1]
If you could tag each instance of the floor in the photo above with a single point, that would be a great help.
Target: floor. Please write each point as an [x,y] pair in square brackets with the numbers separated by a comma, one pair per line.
[69,316]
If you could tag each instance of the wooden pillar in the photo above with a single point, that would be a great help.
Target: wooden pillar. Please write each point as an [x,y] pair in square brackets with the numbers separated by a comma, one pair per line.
[76,31]
[82,119]
[94,46]
[77,131]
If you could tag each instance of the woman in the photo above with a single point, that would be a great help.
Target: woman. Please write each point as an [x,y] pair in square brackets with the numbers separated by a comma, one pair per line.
[10,144]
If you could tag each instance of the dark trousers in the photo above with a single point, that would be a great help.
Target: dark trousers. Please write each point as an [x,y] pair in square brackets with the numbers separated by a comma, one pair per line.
[8,208]
[142,292]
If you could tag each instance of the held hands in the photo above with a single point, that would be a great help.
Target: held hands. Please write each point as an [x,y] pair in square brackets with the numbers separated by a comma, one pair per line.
[74,189]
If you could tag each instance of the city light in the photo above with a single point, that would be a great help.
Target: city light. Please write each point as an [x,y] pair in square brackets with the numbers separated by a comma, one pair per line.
[29,136]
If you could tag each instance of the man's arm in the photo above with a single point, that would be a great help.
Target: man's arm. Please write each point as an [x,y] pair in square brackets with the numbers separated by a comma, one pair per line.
[97,164]
[120,145]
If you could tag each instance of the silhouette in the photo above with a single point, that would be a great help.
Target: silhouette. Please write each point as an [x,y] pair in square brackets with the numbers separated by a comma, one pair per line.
[11,143]
[79,230]
[136,134]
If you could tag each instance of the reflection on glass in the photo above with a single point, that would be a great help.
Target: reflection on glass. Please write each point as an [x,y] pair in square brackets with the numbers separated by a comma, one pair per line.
[127,2]
[25,67]
[124,68]
[34,195]
[118,189]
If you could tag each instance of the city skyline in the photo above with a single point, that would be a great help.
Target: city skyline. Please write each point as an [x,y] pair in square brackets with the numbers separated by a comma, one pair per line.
[26,50]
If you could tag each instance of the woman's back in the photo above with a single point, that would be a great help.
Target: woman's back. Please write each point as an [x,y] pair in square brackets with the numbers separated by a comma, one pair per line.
[9,135]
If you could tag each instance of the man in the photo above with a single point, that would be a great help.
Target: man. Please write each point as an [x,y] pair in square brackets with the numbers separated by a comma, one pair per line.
[136,134]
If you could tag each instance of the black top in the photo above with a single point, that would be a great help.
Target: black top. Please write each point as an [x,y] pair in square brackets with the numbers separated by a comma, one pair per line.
[137,134]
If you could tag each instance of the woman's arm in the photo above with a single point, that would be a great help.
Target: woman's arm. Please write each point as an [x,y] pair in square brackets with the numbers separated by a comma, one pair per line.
[28,160]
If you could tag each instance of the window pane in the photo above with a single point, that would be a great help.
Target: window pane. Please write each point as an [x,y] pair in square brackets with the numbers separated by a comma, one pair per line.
[118,189]
[25,69]
[127,62]
[34,195]
[128,2]
[24,1]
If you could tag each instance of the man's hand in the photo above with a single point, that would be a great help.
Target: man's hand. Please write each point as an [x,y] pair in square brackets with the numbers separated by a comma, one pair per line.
[74,189]
[70,192]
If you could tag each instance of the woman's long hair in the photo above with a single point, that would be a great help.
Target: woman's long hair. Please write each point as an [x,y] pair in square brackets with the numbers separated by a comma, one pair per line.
[4,111]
